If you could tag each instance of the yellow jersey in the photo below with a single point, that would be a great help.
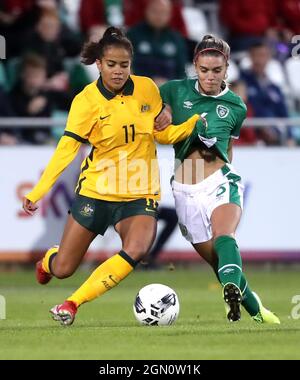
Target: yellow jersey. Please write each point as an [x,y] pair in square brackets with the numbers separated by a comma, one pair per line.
[122,164]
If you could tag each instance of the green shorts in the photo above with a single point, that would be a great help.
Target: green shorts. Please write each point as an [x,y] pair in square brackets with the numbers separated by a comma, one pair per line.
[97,215]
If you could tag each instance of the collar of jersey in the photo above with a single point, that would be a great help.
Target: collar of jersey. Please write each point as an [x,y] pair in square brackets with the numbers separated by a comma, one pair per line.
[127,89]
[211,96]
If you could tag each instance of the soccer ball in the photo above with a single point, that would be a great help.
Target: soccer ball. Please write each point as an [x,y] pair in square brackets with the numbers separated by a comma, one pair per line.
[156,304]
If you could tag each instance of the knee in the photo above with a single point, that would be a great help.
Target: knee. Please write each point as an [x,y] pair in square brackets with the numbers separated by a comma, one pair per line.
[219,233]
[62,270]
[136,251]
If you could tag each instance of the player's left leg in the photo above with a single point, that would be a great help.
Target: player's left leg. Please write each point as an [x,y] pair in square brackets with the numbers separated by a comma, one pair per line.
[235,286]
[224,221]
[62,261]
[249,302]
[137,234]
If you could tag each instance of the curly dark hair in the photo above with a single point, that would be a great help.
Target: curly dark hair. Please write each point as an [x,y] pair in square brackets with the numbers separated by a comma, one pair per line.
[112,37]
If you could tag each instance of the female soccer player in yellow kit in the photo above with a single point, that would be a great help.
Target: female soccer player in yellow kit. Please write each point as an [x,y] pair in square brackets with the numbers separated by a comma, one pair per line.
[119,180]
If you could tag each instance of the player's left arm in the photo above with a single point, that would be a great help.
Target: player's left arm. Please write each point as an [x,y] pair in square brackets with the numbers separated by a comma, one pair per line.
[240,115]
[229,150]
[175,133]
[161,111]
[235,133]
[171,134]
[164,118]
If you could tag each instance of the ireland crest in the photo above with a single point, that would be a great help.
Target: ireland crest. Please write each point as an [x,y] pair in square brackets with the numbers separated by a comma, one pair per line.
[222,111]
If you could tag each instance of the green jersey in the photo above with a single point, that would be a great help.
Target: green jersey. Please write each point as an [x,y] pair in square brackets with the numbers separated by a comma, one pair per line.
[224,113]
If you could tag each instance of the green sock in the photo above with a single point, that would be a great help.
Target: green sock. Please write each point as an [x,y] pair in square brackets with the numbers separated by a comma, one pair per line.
[230,262]
[249,301]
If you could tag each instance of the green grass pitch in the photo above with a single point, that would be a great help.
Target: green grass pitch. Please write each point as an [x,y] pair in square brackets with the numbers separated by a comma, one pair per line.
[106,328]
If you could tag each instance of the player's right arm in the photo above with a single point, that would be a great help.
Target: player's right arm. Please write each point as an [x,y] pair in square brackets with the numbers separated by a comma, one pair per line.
[64,154]
[79,124]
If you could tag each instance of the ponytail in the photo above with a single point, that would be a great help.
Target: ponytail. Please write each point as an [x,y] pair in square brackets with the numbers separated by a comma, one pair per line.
[211,45]
[112,37]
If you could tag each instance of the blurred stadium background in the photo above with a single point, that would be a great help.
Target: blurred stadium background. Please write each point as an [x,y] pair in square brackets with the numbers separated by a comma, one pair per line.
[40,73]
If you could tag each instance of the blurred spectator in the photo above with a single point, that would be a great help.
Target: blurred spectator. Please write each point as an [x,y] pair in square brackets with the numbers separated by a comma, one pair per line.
[8,136]
[16,18]
[94,13]
[91,14]
[288,12]
[247,135]
[246,20]
[160,52]
[200,2]
[287,25]
[31,97]
[54,42]
[135,14]
[100,13]
[264,96]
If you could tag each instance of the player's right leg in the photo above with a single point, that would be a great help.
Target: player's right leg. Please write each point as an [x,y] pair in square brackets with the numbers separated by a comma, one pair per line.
[136,224]
[137,234]
[42,271]
[62,261]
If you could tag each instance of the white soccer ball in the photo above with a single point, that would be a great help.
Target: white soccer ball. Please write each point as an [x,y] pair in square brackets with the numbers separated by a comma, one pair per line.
[156,304]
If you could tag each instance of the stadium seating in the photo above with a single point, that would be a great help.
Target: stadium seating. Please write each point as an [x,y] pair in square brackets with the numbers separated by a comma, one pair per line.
[292,67]
[195,22]
[3,78]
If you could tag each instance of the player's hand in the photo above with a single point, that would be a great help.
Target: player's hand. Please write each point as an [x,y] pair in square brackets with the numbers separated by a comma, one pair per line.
[202,118]
[29,207]
[164,119]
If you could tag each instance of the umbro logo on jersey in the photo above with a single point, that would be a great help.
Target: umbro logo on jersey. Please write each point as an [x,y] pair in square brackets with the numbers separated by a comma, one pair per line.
[104,117]
[228,271]
[187,104]
[222,111]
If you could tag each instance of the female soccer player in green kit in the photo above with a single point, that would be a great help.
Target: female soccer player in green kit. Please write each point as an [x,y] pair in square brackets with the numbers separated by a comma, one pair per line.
[208,191]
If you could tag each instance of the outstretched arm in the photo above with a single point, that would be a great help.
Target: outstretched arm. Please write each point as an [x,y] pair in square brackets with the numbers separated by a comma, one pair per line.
[64,154]
[175,133]
[81,119]
[164,119]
